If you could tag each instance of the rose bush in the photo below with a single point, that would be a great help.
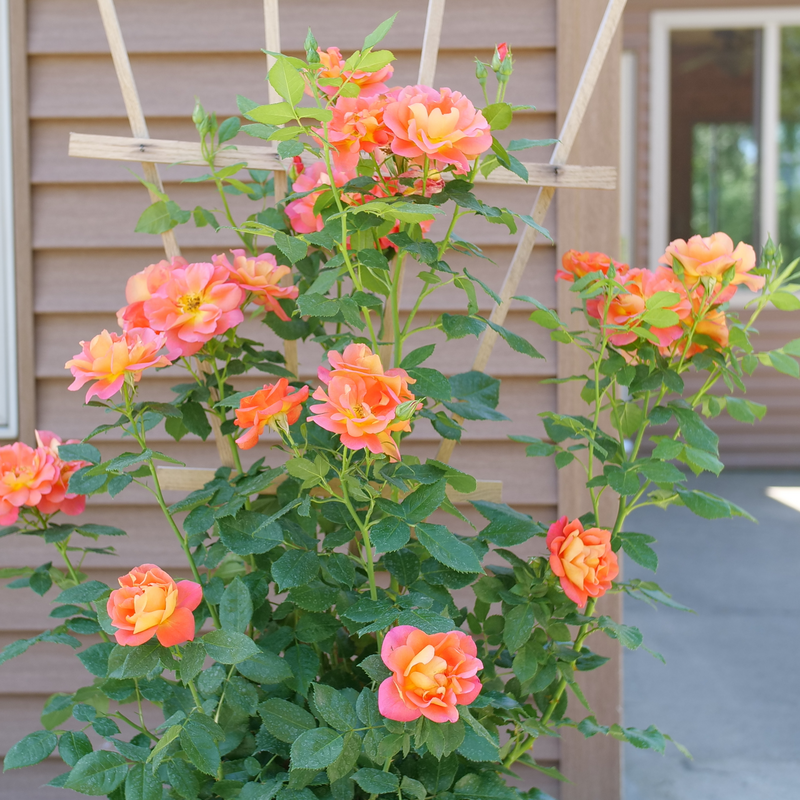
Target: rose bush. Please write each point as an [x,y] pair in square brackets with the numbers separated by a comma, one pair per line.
[324,648]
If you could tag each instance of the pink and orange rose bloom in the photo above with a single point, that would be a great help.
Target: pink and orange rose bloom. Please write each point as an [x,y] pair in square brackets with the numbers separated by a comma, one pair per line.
[360,401]
[150,603]
[582,559]
[432,674]
[110,357]
[37,478]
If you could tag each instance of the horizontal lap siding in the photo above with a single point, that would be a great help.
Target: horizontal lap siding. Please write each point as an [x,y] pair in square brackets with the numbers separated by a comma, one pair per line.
[775,440]
[84,249]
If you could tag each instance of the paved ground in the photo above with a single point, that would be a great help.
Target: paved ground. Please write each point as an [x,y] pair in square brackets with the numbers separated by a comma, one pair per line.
[729,690]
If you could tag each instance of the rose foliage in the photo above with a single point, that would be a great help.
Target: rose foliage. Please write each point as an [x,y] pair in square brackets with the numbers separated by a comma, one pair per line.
[343,630]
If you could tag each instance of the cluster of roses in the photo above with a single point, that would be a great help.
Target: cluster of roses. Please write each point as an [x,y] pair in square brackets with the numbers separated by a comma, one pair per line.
[360,402]
[710,271]
[177,306]
[37,478]
[409,134]
[432,674]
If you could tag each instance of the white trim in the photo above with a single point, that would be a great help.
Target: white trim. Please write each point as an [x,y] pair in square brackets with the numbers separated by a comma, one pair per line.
[627,157]
[662,23]
[9,398]
[770,121]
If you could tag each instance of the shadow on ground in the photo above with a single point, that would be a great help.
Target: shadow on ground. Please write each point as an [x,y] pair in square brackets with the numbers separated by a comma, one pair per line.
[729,690]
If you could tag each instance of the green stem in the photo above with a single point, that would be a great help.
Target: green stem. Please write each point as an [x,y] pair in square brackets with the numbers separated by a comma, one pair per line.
[562,684]
[196,696]
[136,727]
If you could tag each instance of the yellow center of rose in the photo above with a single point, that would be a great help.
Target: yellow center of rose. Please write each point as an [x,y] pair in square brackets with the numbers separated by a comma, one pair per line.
[426,675]
[359,411]
[153,606]
[190,303]
[19,478]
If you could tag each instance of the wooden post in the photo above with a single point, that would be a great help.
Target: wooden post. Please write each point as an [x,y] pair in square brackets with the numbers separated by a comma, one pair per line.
[605,35]
[585,222]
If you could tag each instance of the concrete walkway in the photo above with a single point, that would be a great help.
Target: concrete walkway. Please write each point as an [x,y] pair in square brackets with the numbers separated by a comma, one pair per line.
[729,691]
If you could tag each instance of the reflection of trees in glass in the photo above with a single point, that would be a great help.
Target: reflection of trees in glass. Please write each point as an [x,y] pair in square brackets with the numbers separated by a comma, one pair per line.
[789,138]
[724,179]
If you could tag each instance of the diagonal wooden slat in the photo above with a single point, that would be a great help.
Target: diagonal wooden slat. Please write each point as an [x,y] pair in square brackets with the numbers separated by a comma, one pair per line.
[569,130]
[133,106]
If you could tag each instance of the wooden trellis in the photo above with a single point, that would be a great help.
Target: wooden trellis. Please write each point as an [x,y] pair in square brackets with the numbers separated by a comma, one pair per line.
[547,177]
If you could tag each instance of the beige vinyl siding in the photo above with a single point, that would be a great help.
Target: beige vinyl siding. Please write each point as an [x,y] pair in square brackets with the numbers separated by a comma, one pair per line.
[775,440]
[84,248]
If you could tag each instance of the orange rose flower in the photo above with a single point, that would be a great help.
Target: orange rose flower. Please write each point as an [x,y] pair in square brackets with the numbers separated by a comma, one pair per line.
[577,265]
[431,674]
[109,358]
[58,498]
[261,276]
[370,83]
[301,211]
[26,475]
[583,560]
[711,256]
[275,405]
[713,324]
[357,126]
[442,125]
[149,603]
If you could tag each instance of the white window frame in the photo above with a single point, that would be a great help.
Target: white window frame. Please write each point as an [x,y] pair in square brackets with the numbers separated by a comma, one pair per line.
[627,156]
[9,395]
[770,20]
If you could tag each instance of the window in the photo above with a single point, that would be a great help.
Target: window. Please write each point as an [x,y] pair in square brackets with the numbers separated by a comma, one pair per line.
[8,333]
[725,126]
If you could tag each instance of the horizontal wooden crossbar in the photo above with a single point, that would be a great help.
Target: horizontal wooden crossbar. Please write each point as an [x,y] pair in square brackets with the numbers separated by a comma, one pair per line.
[168,151]
[189,479]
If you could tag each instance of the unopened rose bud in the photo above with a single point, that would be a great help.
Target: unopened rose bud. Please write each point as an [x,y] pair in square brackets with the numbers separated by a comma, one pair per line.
[481,73]
[500,54]
[199,114]
[299,166]
[506,68]
[407,410]
[311,48]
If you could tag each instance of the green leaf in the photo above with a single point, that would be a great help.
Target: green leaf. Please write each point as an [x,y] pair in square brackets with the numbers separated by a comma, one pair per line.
[709,505]
[785,364]
[694,431]
[266,668]
[159,752]
[519,622]
[514,341]
[100,530]
[73,746]
[375,781]
[97,773]
[95,658]
[228,129]
[447,549]
[498,115]
[193,655]
[661,471]
[430,383]
[294,249]
[418,356]
[141,784]
[199,738]
[35,747]
[457,326]
[249,532]
[315,305]
[316,749]
[484,786]
[284,720]
[315,626]
[531,223]
[138,660]
[335,708]
[627,635]
[389,534]
[80,452]
[295,568]
[423,501]
[228,647]
[637,546]
[379,33]
[507,527]
[272,114]
[236,607]
[83,593]
[81,482]
[374,667]
[524,144]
